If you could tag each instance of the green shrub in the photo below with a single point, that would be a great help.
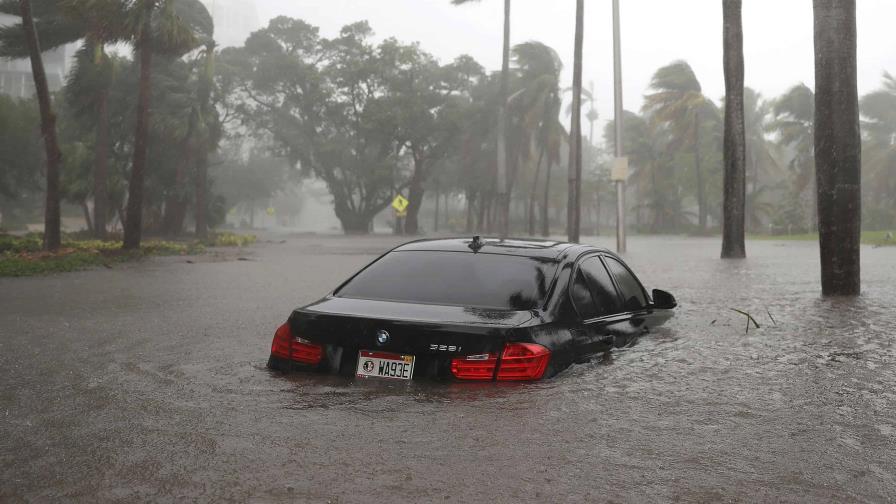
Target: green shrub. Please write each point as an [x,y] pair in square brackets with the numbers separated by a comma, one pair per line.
[229,239]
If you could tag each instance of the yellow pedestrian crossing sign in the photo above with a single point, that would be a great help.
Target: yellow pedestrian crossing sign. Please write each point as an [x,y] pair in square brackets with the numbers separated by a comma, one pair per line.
[400,204]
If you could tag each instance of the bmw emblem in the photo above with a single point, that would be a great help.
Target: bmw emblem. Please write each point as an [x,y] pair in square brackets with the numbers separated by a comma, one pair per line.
[382,337]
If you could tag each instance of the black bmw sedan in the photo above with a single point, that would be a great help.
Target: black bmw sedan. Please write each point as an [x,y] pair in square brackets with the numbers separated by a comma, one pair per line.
[472,309]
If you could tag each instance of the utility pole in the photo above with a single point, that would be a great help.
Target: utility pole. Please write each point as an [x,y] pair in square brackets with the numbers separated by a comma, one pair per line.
[620,166]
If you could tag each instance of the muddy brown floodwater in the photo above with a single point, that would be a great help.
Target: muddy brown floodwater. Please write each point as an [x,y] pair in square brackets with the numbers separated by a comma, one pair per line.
[147,382]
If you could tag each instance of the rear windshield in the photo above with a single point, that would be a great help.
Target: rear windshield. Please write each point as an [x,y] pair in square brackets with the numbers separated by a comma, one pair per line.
[495,281]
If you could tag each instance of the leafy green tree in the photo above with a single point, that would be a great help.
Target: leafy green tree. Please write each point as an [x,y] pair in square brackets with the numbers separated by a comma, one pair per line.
[320,103]
[426,101]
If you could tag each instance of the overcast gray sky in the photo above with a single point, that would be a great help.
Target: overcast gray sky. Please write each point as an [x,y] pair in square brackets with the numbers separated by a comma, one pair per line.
[777,36]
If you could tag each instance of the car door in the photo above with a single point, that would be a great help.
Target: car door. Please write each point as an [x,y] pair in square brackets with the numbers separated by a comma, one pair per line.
[602,321]
[635,303]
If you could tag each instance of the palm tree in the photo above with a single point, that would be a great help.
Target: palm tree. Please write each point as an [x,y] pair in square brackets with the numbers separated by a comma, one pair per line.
[538,105]
[92,79]
[838,147]
[793,122]
[734,188]
[502,175]
[169,27]
[28,31]
[879,155]
[678,103]
[97,23]
[574,212]
[52,217]
[759,153]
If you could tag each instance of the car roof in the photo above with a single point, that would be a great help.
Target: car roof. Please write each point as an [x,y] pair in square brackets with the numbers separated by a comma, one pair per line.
[526,247]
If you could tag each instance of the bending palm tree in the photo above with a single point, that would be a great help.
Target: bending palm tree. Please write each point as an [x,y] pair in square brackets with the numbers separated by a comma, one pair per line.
[758,155]
[879,156]
[52,218]
[538,102]
[97,23]
[678,103]
[794,123]
[169,27]
[503,199]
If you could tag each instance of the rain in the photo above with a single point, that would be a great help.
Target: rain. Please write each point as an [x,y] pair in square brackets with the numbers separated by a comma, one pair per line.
[183,180]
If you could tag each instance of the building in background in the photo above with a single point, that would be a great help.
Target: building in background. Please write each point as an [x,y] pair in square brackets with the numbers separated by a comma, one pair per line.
[234,20]
[15,75]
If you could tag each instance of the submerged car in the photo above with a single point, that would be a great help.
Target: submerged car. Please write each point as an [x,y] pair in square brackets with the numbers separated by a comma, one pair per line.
[472,309]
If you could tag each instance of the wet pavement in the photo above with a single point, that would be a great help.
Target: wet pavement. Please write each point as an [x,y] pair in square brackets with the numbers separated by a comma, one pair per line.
[147,382]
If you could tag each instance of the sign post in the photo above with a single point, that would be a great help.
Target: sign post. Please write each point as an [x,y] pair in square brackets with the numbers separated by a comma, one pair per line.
[400,206]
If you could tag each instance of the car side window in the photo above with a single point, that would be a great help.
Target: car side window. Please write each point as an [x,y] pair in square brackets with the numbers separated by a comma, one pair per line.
[581,297]
[632,293]
[602,289]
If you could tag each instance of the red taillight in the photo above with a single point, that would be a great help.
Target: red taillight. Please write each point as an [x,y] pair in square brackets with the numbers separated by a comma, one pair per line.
[523,361]
[287,346]
[519,361]
[474,367]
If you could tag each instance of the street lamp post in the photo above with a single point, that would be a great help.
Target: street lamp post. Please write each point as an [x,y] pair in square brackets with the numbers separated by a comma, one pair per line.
[621,165]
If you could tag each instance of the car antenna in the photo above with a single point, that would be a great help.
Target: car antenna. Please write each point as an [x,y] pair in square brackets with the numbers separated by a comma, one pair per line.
[476,243]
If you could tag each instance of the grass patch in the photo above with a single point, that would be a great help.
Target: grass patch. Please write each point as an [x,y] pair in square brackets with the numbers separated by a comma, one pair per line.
[877,238]
[229,239]
[22,255]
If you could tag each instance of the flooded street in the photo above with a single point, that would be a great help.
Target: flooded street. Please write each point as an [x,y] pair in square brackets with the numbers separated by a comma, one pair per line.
[147,382]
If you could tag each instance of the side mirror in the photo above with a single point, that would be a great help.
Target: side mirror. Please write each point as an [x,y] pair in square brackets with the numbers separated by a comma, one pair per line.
[663,300]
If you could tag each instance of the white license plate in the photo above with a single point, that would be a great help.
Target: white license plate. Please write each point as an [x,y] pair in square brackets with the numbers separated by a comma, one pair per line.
[385,365]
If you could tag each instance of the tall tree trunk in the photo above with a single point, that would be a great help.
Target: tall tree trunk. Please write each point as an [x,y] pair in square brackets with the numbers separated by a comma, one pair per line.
[734,190]
[574,201]
[481,212]
[101,167]
[657,207]
[87,220]
[838,147]
[175,202]
[52,217]
[435,220]
[133,226]
[415,198]
[468,227]
[201,210]
[545,206]
[502,174]
[596,213]
[533,194]
[698,171]
[205,143]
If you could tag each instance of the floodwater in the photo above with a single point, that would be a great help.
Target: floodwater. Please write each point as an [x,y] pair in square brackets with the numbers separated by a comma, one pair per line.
[147,382]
